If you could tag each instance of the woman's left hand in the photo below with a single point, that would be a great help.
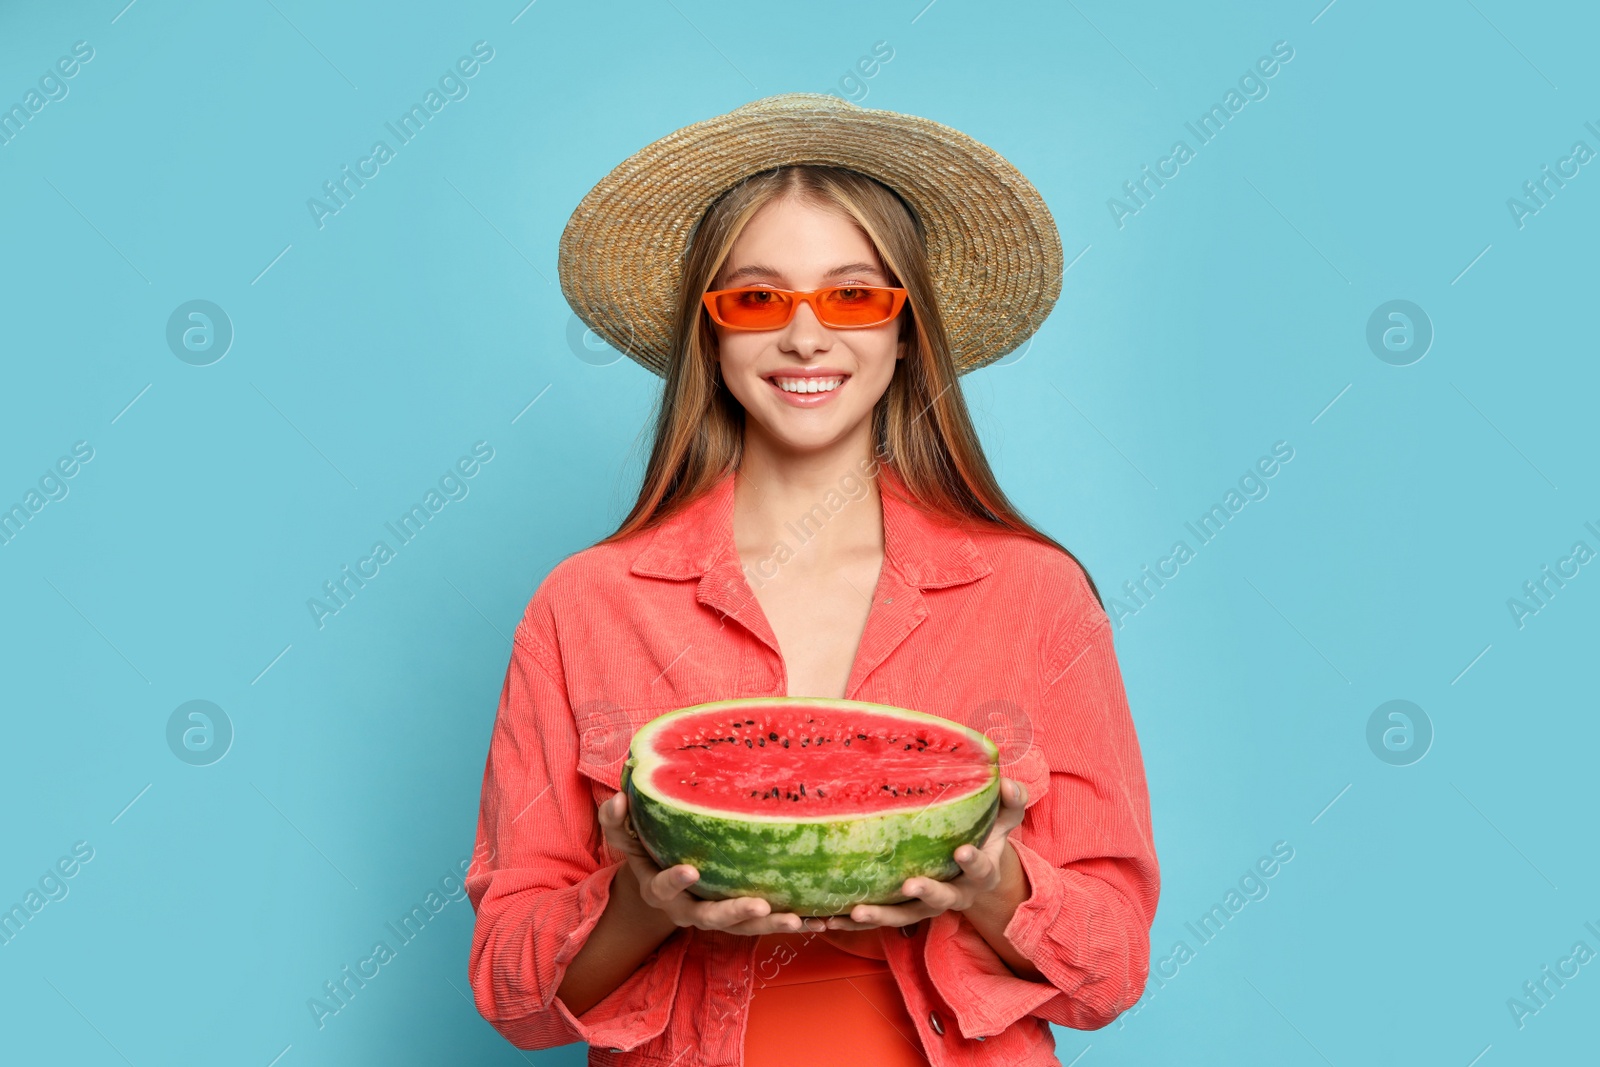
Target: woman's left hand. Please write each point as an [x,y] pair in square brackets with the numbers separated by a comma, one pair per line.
[981,871]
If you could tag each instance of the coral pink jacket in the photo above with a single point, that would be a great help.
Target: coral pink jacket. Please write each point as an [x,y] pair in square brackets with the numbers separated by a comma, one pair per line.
[987,628]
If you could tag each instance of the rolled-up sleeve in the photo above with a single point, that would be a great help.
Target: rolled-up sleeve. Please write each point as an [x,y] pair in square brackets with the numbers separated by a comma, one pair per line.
[1088,851]
[541,873]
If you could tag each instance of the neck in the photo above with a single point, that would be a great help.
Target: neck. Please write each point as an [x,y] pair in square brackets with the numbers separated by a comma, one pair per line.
[818,508]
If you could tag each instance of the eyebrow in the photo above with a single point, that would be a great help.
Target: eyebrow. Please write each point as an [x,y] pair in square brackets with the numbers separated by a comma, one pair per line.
[756,270]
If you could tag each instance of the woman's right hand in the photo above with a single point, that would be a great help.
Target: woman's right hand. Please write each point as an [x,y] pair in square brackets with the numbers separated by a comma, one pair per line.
[667,890]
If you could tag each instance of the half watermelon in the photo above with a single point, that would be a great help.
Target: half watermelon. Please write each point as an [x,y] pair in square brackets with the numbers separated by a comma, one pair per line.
[812,805]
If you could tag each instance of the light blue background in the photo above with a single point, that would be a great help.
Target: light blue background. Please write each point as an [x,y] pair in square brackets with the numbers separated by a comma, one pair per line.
[1228,314]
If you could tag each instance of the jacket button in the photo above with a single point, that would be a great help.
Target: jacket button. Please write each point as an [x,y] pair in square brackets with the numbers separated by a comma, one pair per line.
[933,1021]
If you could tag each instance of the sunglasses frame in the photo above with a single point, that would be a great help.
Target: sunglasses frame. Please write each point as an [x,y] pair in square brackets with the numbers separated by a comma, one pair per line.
[808,296]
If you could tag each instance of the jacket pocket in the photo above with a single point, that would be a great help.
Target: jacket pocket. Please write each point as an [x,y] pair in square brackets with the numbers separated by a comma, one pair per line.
[1032,771]
[605,731]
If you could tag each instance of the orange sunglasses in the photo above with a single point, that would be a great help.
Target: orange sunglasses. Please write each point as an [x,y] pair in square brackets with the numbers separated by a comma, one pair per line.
[839,307]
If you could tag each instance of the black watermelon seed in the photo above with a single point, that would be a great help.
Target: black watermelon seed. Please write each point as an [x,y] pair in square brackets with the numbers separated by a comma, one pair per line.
[908,746]
[862,736]
[802,789]
[785,742]
[847,740]
[747,743]
[749,722]
[820,793]
[762,741]
[772,737]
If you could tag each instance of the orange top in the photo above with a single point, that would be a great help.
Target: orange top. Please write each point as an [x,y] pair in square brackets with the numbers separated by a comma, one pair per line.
[827,998]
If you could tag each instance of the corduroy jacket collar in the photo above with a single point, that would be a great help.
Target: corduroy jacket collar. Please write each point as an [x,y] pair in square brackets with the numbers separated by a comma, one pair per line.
[925,552]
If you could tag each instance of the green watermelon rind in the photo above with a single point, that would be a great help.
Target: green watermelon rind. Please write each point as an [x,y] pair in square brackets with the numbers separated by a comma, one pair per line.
[814,865]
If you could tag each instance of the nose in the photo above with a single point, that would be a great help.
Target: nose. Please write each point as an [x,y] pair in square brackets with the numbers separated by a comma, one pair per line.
[805,333]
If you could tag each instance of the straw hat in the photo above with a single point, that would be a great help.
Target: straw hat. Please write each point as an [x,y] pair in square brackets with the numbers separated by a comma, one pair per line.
[993,248]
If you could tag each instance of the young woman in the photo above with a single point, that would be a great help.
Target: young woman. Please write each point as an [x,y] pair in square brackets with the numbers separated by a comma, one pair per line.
[816,519]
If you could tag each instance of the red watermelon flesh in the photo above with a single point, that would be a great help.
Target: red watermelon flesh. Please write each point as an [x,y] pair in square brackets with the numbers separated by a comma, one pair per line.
[812,805]
[815,763]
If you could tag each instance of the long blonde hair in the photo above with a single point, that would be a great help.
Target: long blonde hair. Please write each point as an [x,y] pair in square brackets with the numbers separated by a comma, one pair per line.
[920,426]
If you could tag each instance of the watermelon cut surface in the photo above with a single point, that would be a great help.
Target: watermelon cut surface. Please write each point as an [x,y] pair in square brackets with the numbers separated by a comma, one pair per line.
[813,805]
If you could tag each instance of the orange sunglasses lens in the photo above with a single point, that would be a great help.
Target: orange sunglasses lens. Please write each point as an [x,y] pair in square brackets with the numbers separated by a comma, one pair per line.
[855,306]
[844,306]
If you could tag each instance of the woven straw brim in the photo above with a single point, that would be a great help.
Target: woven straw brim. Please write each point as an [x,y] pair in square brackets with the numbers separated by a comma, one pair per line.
[993,248]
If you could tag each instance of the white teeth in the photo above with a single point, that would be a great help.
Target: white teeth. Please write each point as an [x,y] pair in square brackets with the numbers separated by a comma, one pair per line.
[807,385]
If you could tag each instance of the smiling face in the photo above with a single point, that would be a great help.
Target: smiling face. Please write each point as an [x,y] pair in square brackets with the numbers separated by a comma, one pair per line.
[792,244]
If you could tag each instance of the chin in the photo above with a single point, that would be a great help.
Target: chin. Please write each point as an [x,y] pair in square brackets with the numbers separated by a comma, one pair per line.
[794,430]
